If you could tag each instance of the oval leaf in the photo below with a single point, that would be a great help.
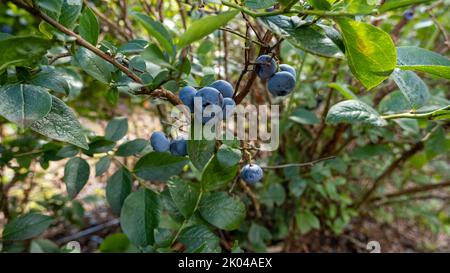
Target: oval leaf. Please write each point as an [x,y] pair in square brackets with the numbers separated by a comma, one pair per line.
[419,59]
[222,211]
[140,216]
[307,37]
[61,124]
[23,104]
[76,174]
[89,27]
[412,87]
[370,52]
[26,226]
[159,166]
[26,50]
[116,129]
[204,27]
[118,188]
[354,111]
[184,195]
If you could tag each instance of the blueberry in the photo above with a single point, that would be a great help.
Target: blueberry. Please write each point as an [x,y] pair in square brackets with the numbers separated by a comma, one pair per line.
[251,173]
[186,95]
[207,97]
[266,66]
[228,107]
[224,87]
[178,147]
[281,84]
[288,68]
[6,29]
[409,14]
[159,142]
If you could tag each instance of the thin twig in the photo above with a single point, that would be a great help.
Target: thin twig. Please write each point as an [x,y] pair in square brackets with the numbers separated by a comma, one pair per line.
[306,164]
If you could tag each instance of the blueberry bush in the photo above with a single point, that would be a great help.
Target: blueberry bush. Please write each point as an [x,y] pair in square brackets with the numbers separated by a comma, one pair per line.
[364,97]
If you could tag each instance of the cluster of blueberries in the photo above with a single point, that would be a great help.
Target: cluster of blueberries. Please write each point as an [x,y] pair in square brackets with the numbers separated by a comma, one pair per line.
[250,173]
[161,143]
[217,96]
[279,83]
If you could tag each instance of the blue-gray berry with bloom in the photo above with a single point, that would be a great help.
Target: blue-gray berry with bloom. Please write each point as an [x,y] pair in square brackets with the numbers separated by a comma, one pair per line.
[186,95]
[288,68]
[266,66]
[409,15]
[251,173]
[159,142]
[178,147]
[281,84]
[228,107]
[207,97]
[224,87]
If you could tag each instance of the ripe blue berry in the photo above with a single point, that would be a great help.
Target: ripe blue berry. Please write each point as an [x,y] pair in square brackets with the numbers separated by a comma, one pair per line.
[186,95]
[6,29]
[281,84]
[228,107]
[179,147]
[266,66]
[223,87]
[251,173]
[204,98]
[409,15]
[159,142]
[288,68]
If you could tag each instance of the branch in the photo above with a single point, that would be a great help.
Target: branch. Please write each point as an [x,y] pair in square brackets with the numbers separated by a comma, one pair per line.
[287,10]
[306,164]
[82,42]
[412,191]
[428,115]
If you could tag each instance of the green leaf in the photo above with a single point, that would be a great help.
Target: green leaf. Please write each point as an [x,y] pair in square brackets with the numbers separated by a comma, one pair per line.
[200,151]
[216,175]
[52,79]
[116,129]
[354,111]
[76,174]
[158,31]
[26,227]
[89,27]
[412,87]
[394,102]
[320,4]
[159,166]
[257,234]
[44,246]
[102,165]
[274,194]
[68,151]
[24,104]
[93,65]
[26,50]
[228,156]
[394,4]
[99,145]
[205,26]
[117,243]
[133,47]
[358,6]
[344,90]
[132,147]
[260,4]
[199,236]
[140,216]
[310,38]
[306,221]
[304,116]
[422,60]
[61,124]
[370,52]
[222,211]
[51,7]
[70,12]
[118,187]
[184,195]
